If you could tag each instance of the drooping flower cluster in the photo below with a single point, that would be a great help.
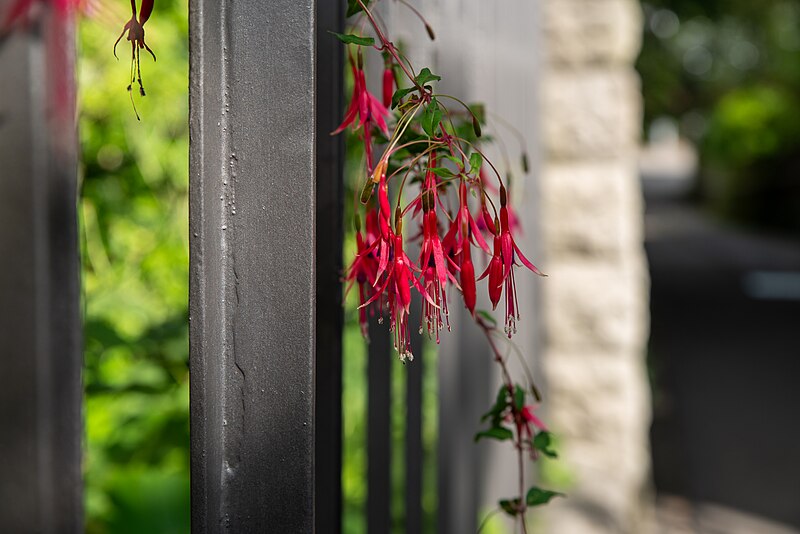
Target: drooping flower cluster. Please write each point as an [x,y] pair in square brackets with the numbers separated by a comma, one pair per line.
[433,166]
[432,205]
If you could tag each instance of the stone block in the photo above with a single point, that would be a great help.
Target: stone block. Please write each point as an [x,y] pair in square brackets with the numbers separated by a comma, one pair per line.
[591,114]
[592,31]
[596,306]
[591,210]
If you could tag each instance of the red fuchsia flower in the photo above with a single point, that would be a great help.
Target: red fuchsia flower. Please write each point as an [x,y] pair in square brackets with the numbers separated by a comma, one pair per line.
[468,289]
[508,252]
[363,105]
[495,272]
[363,271]
[434,266]
[530,421]
[388,85]
[463,230]
[135,29]
[396,285]
[367,109]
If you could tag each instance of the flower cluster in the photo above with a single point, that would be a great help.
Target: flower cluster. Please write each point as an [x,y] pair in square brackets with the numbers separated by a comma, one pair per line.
[438,151]
[435,213]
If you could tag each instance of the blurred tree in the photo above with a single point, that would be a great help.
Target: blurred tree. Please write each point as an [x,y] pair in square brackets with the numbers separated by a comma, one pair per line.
[727,73]
[134,214]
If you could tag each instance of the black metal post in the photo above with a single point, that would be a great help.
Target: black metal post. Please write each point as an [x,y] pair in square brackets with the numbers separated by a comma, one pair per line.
[379,428]
[40,341]
[253,271]
[330,319]
[413,444]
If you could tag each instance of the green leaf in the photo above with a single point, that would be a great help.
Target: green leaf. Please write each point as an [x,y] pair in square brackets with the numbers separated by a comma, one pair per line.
[354,7]
[510,506]
[425,76]
[498,433]
[442,172]
[486,316]
[454,159]
[431,117]
[543,443]
[400,94]
[537,496]
[519,397]
[500,404]
[354,39]
[475,162]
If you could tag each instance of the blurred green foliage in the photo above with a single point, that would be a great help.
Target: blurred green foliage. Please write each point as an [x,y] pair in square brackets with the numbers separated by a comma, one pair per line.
[727,72]
[134,215]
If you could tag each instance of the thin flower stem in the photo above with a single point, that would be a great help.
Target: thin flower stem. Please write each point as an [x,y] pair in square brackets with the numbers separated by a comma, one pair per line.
[389,47]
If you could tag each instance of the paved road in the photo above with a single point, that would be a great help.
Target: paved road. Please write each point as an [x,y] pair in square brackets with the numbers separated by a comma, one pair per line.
[726,363]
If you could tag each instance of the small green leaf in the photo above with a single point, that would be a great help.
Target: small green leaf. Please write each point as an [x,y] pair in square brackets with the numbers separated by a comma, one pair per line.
[475,162]
[543,443]
[486,316]
[498,433]
[354,39]
[537,496]
[442,172]
[425,76]
[431,117]
[510,506]
[500,405]
[519,397]
[454,159]
[400,94]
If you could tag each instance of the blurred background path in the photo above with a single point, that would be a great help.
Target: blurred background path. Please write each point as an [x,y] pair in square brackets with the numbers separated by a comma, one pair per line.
[725,360]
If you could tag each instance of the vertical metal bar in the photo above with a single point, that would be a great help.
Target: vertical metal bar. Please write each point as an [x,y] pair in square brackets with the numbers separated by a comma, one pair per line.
[330,189]
[40,330]
[252,250]
[414,427]
[379,429]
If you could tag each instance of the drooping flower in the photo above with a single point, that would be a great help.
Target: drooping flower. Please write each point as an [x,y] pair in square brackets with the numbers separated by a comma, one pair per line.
[434,270]
[531,421]
[363,271]
[396,284]
[135,29]
[364,106]
[495,273]
[508,252]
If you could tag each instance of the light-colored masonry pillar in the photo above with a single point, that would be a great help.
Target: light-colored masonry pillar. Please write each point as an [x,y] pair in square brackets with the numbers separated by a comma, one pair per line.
[594,305]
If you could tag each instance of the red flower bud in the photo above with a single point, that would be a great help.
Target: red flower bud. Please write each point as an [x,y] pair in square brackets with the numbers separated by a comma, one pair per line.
[388,86]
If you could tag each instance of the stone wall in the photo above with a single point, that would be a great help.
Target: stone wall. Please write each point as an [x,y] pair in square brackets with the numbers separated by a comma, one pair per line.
[594,305]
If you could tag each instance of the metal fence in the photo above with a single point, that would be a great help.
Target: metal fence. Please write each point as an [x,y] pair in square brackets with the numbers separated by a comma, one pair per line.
[265,294]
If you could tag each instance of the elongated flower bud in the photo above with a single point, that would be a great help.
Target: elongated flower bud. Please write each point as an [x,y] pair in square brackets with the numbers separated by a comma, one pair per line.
[388,86]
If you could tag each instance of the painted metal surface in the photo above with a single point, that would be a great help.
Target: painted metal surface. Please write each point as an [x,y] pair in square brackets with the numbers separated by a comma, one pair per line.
[40,342]
[253,270]
[330,197]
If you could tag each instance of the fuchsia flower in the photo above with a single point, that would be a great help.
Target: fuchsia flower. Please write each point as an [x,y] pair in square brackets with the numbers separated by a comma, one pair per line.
[135,29]
[396,285]
[363,271]
[388,86]
[531,421]
[501,267]
[433,263]
[363,105]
